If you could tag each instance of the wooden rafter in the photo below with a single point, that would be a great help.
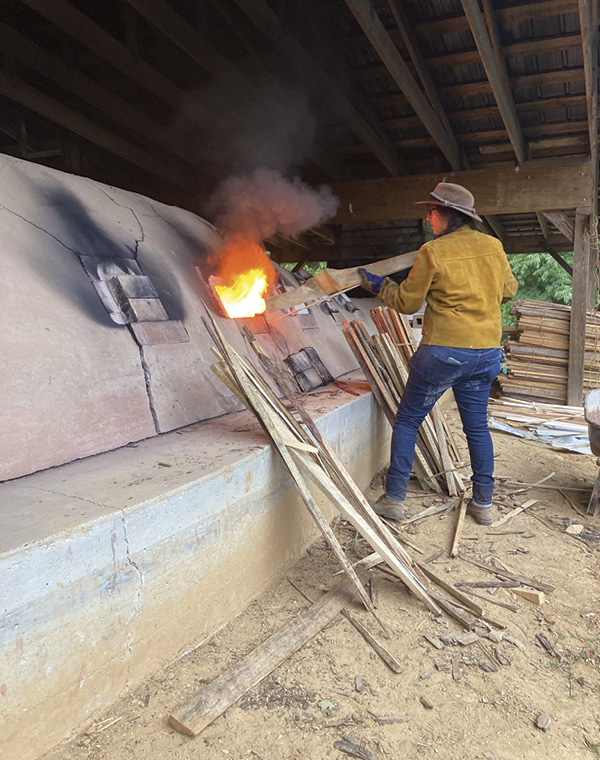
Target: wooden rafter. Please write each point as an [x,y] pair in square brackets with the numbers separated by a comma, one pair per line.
[529,10]
[46,106]
[79,26]
[496,74]
[543,222]
[88,90]
[371,25]
[588,21]
[262,15]
[416,56]
[470,57]
[161,15]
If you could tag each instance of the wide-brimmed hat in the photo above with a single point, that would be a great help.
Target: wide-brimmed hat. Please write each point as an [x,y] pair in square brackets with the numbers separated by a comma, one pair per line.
[453,196]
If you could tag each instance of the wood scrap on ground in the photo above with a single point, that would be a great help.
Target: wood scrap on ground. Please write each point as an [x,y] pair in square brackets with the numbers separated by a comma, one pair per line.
[462,510]
[211,701]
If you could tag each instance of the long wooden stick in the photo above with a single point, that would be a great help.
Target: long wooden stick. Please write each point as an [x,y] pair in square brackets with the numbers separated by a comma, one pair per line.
[510,576]
[459,526]
[385,654]
[334,281]
[200,711]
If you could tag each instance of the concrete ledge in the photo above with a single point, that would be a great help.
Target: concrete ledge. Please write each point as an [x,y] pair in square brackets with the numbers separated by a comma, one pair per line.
[114,565]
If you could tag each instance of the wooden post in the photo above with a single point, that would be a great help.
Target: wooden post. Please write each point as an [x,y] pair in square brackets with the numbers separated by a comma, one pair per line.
[581,274]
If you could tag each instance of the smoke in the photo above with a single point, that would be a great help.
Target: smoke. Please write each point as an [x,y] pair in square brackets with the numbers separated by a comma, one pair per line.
[264,202]
[262,124]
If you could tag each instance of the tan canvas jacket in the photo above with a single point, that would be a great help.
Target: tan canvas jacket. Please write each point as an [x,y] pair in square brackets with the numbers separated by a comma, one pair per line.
[464,276]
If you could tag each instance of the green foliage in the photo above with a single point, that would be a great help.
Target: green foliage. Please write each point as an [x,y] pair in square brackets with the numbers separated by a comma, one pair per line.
[540,278]
[312,267]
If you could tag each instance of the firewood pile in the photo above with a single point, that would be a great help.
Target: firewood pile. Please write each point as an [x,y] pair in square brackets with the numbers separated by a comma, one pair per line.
[538,352]
[383,358]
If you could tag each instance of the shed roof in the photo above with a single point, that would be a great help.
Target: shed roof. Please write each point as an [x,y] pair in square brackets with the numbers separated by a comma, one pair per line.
[167,97]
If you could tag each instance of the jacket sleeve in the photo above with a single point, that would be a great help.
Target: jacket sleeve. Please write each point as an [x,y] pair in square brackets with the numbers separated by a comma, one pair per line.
[410,294]
[510,283]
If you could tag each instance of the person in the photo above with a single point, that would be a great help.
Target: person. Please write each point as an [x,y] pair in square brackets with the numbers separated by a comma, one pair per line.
[463,274]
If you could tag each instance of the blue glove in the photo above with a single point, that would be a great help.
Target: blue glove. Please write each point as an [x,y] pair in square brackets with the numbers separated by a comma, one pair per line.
[371,282]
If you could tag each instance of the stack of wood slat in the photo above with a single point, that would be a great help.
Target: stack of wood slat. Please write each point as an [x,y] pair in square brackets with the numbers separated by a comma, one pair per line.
[384,358]
[538,352]
[526,414]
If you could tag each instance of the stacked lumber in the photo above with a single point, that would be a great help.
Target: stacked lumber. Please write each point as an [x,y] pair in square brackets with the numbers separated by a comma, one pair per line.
[538,352]
[384,360]
[527,414]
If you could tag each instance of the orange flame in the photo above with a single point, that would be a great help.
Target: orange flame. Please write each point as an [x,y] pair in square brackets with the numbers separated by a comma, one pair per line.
[244,297]
[245,274]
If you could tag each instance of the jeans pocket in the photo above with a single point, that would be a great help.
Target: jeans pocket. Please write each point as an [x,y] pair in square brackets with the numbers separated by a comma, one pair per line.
[438,365]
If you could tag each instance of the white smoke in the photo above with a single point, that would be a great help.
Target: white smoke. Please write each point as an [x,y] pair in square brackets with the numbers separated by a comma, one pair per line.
[259,204]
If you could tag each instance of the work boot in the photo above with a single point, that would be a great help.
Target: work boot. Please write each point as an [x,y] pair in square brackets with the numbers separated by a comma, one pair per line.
[481,515]
[387,506]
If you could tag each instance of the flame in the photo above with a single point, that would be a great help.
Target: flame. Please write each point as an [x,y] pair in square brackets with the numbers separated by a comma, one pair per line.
[244,275]
[245,297]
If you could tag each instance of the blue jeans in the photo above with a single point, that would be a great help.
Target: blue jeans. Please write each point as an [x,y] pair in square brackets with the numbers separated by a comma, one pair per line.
[434,369]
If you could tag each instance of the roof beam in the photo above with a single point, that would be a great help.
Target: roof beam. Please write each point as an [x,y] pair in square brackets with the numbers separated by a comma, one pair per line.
[371,25]
[543,222]
[88,90]
[496,191]
[355,255]
[161,15]
[539,9]
[491,112]
[512,50]
[78,25]
[320,81]
[496,73]
[588,21]
[40,103]
[416,56]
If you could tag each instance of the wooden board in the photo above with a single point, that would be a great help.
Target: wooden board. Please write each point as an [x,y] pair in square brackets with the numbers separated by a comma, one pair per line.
[211,701]
[496,191]
[332,281]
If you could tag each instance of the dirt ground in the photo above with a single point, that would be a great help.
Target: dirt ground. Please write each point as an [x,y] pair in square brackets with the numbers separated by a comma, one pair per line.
[457,702]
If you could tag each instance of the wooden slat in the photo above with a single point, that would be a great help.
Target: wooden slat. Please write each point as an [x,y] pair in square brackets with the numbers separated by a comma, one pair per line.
[581,272]
[205,706]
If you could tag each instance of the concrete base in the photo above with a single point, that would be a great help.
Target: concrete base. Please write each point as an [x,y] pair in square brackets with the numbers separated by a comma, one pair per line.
[114,565]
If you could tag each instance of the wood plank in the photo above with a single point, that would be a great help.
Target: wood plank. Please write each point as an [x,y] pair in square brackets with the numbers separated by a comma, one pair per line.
[204,707]
[380,545]
[333,281]
[508,575]
[496,191]
[494,64]
[513,513]
[257,403]
[462,510]
[387,50]
[577,343]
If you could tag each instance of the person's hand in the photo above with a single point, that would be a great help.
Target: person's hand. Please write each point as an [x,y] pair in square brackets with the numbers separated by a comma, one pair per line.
[371,282]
